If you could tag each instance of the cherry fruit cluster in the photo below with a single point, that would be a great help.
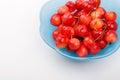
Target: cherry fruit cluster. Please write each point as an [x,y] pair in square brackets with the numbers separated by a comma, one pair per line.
[84,27]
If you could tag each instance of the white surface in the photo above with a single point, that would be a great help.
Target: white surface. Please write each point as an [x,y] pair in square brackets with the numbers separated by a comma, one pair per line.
[24,56]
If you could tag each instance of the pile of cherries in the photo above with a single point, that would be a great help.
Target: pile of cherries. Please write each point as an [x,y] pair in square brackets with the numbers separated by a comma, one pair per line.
[84,27]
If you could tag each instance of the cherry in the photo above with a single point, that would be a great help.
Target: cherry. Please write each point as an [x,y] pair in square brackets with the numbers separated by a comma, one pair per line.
[111,36]
[85,20]
[112,25]
[81,30]
[74,43]
[96,24]
[55,33]
[78,4]
[110,16]
[79,13]
[87,6]
[99,13]
[68,19]
[71,6]
[55,20]
[95,49]
[88,42]
[102,44]
[61,41]
[82,51]
[98,34]
[62,10]
[67,31]
[95,3]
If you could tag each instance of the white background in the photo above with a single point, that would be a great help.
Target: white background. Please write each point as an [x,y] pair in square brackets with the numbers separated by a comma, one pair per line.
[24,56]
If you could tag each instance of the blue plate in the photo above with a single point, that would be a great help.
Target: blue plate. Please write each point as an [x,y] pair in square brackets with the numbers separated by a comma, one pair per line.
[46,29]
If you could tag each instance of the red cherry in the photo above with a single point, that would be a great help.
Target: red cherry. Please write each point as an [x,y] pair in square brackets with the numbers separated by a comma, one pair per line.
[95,3]
[96,24]
[71,6]
[78,4]
[62,10]
[55,20]
[87,6]
[85,20]
[81,30]
[111,36]
[68,19]
[55,33]
[98,33]
[112,25]
[82,51]
[110,16]
[74,44]
[79,13]
[102,44]
[99,13]
[88,42]
[68,31]
[61,41]
[95,49]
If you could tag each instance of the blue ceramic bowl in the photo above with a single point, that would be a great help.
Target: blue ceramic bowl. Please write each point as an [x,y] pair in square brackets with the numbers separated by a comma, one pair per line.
[46,29]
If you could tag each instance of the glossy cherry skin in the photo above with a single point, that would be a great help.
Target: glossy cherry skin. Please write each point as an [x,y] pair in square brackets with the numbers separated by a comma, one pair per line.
[95,3]
[71,6]
[74,43]
[110,16]
[87,6]
[98,13]
[78,4]
[55,33]
[68,31]
[61,41]
[95,49]
[111,36]
[102,44]
[85,19]
[98,33]
[68,19]
[79,13]
[96,24]
[55,20]
[82,51]
[88,42]
[112,25]
[81,30]
[62,10]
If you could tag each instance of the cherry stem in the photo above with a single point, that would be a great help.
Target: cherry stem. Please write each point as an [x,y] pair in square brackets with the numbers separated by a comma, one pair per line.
[89,12]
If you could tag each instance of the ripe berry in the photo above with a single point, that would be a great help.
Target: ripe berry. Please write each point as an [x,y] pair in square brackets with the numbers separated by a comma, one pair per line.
[55,20]
[102,44]
[88,42]
[96,24]
[98,34]
[61,41]
[68,19]
[112,25]
[62,10]
[95,49]
[81,30]
[111,36]
[71,6]
[74,44]
[85,20]
[79,13]
[110,16]
[82,51]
